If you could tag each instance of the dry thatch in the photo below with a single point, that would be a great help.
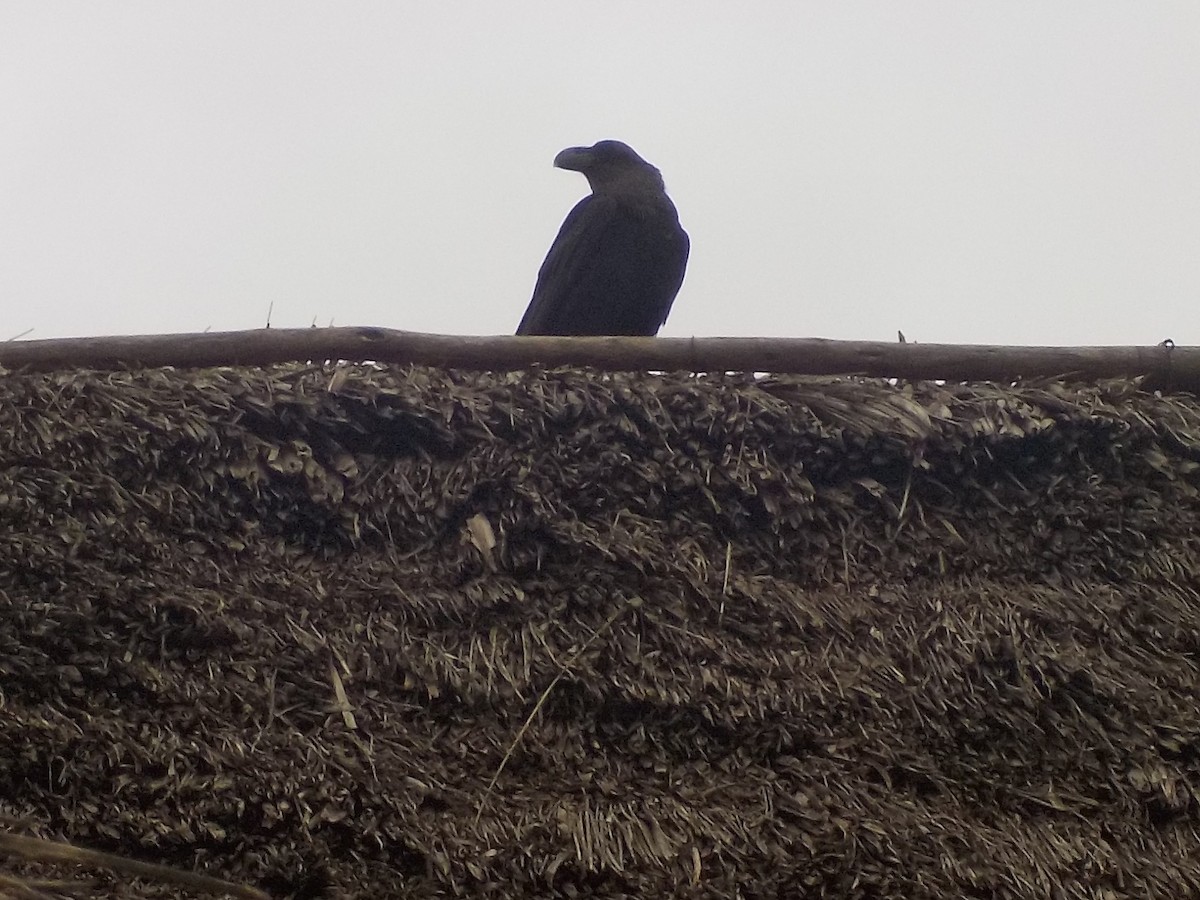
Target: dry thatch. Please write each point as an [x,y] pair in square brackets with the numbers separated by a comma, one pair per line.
[411,633]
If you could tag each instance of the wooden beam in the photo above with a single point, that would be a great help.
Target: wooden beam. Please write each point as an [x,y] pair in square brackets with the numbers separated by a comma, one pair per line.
[1169,365]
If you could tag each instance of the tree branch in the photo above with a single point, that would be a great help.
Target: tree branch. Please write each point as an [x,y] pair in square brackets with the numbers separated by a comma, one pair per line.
[1172,366]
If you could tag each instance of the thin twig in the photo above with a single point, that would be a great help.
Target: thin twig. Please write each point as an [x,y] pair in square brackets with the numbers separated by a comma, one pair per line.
[565,669]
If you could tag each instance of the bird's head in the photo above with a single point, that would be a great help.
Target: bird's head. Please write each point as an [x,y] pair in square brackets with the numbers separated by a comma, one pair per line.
[610,166]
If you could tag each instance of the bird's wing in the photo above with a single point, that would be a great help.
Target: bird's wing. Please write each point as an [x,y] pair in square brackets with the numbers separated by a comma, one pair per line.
[614,268]
[675,265]
[578,240]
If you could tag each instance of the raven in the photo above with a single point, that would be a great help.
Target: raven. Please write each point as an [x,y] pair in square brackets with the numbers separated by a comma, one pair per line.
[619,257]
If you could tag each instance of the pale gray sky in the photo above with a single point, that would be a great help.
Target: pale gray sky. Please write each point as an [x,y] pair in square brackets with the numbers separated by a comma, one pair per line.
[994,171]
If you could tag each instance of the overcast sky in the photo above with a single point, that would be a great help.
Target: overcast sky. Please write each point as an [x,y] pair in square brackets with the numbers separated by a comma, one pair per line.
[993,171]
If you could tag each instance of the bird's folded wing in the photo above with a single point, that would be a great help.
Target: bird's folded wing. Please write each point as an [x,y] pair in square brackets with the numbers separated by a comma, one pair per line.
[556,297]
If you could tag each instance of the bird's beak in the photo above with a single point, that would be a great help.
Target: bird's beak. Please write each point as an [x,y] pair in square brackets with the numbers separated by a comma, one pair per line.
[574,158]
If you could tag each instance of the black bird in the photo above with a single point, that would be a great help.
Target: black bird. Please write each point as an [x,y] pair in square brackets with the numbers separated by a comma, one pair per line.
[619,258]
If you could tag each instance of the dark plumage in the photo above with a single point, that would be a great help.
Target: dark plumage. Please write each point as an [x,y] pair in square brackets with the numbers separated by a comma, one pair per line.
[619,258]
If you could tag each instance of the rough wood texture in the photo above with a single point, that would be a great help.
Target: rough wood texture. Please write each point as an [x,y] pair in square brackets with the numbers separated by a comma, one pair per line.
[1168,365]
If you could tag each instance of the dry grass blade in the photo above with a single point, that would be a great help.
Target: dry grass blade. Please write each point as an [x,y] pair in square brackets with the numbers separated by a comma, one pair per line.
[541,700]
[12,888]
[43,850]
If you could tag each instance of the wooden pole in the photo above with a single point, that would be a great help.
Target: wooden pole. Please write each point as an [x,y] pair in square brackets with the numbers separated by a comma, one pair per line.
[1170,366]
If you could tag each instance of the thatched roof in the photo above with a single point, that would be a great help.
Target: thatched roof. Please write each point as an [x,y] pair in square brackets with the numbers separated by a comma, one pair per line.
[735,637]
